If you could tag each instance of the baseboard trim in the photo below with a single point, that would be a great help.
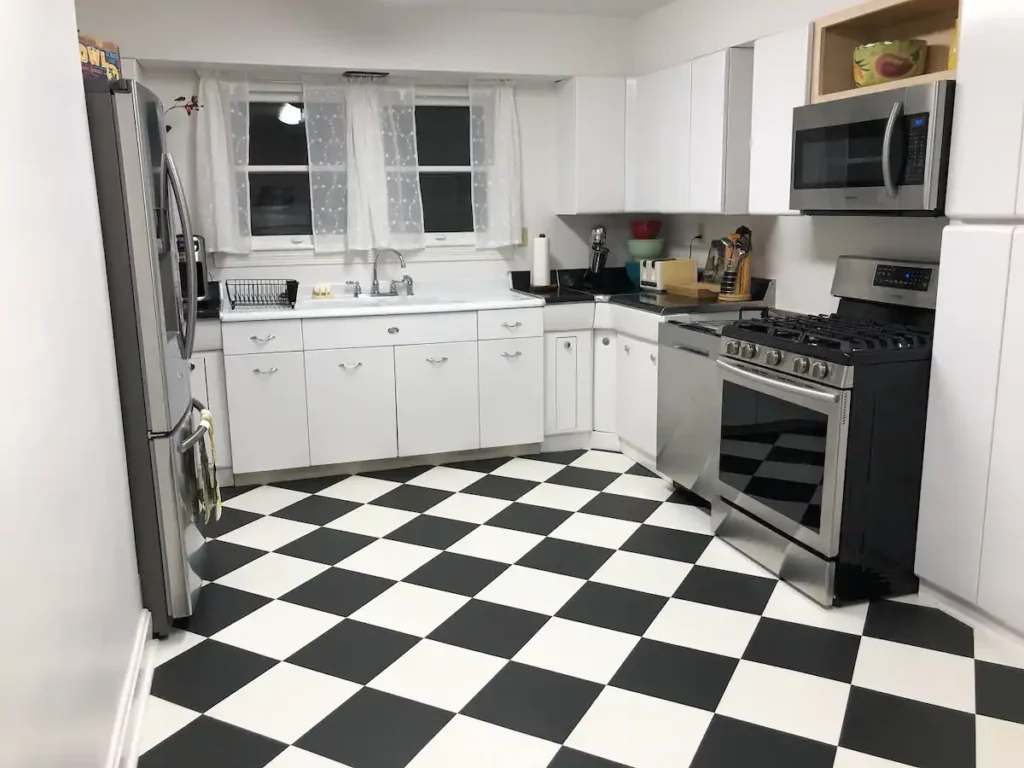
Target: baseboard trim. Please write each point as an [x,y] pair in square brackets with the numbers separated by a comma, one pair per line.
[128,724]
[970,614]
[604,441]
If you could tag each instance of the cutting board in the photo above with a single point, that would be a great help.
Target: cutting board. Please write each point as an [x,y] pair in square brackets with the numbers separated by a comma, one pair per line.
[696,290]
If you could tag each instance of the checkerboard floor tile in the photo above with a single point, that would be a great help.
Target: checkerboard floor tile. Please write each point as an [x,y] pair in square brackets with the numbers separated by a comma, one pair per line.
[565,610]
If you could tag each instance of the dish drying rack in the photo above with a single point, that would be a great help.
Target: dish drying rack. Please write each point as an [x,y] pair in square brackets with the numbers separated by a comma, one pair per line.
[254,294]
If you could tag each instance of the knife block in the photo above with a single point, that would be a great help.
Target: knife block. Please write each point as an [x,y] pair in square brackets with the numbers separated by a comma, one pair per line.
[736,282]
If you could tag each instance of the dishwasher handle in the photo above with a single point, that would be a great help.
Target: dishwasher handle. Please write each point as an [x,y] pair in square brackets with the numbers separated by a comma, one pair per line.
[692,350]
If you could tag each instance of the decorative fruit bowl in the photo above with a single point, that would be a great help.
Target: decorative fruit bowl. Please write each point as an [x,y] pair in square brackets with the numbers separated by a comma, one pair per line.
[890,60]
[646,230]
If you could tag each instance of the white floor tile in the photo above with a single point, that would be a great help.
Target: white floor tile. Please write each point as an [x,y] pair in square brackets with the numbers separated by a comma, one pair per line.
[787,604]
[1000,743]
[725,558]
[653,488]
[277,630]
[847,758]
[915,673]
[562,497]
[579,650]
[447,478]
[389,559]
[531,590]
[469,743]
[161,720]
[272,575]
[704,627]
[293,757]
[411,609]
[595,530]
[268,533]
[998,648]
[804,705]
[371,520]
[681,517]
[468,508]
[605,461]
[265,500]
[499,544]
[528,469]
[643,573]
[284,702]
[177,642]
[640,731]
[441,675]
[358,488]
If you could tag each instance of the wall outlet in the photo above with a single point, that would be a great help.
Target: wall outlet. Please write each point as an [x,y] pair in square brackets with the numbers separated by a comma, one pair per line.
[526,236]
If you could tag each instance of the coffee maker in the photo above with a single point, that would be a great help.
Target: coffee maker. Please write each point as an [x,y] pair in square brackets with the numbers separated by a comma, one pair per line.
[199,254]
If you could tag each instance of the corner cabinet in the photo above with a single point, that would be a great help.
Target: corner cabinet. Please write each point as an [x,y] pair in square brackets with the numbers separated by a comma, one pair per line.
[591,145]
[569,377]
[637,394]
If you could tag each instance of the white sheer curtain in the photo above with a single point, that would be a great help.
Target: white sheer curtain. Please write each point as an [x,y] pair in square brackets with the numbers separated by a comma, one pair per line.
[327,140]
[497,165]
[222,159]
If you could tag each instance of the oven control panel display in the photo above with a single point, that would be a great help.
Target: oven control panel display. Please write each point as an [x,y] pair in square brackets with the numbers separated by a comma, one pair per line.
[906,278]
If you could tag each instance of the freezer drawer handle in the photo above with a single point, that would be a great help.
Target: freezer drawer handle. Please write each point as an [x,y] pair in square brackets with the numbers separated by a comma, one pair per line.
[511,326]
[511,356]
[270,337]
[436,361]
[266,372]
[196,436]
[350,366]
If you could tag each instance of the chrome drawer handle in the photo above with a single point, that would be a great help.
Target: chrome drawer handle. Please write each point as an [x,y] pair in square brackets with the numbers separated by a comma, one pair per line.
[392,330]
[266,372]
[350,366]
[511,356]
[511,326]
[436,361]
[258,340]
[626,347]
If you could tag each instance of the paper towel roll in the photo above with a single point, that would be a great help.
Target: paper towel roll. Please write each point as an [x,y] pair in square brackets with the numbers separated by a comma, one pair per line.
[541,276]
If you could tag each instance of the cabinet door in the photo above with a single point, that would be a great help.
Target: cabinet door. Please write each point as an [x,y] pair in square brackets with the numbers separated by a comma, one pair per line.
[645,141]
[511,392]
[707,133]
[567,377]
[208,387]
[637,394]
[197,379]
[350,396]
[438,398]
[782,70]
[592,117]
[267,411]
[673,120]
[605,378]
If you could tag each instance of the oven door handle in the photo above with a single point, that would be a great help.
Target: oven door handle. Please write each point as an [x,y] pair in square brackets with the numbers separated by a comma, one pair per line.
[814,394]
[890,131]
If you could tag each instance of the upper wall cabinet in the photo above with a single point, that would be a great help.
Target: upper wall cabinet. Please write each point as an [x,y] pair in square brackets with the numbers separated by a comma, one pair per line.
[592,145]
[658,155]
[782,71]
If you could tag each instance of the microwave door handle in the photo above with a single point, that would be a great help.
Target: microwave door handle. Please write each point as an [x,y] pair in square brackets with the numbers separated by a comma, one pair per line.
[812,394]
[190,260]
[890,132]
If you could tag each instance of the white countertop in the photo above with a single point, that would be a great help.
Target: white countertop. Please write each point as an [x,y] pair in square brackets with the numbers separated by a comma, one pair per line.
[451,296]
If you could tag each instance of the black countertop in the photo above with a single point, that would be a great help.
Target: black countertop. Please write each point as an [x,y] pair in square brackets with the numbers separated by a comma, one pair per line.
[556,294]
[209,308]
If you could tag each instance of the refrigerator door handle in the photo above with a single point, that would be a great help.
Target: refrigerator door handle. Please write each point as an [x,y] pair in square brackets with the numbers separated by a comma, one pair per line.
[188,343]
[189,442]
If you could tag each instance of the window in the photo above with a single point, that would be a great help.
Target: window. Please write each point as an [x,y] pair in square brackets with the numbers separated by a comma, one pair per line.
[446,172]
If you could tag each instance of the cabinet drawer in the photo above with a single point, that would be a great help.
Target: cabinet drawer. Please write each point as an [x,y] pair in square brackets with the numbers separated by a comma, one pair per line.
[262,336]
[511,392]
[389,330]
[511,323]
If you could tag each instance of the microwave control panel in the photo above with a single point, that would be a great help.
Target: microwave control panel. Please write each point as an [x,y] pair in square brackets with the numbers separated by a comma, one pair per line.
[917,148]
[905,278]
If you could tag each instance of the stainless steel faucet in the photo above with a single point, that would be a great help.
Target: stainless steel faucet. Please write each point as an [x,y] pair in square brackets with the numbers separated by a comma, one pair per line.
[375,286]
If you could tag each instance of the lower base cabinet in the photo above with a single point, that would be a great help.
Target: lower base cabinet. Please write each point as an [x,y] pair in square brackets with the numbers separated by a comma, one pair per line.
[267,394]
[350,396]
[438,398]
[637,394]
[569,382]
[511,392]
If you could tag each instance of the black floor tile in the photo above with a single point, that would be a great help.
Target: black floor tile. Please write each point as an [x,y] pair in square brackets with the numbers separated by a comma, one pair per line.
[568,558]
[726,589]
[481,465]
[906,731]
[571,758]
[338,591]
[999,691]
[228,493]
[374,729]
[490,628]
[412,498]
[354,651]
[230,519]
[221,558]
[683,495]
[496,487]
[730,742]
[919,625]
[316,510]
[802,648]
[641,470]
[558,457]
[325,545]
[682,546]
[529,518]
[534,701]
[220,607]
[615,608]
[210,743]
[459,574]
[206,674]
[670,672]
[431,531]
[310,484]
[621,507]
[580,477]
[399,475]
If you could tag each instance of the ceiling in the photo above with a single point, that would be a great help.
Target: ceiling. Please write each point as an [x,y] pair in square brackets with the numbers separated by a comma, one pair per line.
[624,8]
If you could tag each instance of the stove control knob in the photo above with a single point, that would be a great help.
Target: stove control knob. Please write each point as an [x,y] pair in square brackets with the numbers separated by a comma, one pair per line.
[773,357]
[749,351]
[732,348]
[819,370]
[801,365]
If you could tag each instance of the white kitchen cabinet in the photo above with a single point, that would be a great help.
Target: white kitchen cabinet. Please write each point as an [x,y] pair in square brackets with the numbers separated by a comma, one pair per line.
[637,394]
[659,142]
[197,379]
[782,76]
[350,397]
[438,398]
[592,145]
[605,377]
[208,387]
[267,393]
[511,392]
[569,382]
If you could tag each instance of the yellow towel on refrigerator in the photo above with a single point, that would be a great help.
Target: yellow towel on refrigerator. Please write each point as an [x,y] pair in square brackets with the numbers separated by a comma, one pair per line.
[206,471]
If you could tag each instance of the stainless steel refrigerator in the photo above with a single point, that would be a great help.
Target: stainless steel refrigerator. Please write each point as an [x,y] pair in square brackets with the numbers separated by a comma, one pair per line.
[154,319]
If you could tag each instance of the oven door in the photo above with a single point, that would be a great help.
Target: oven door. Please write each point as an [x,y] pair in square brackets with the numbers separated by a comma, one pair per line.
[783,452]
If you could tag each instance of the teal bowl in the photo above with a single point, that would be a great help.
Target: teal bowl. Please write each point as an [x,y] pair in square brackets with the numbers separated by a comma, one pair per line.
[645,249]
[633,272]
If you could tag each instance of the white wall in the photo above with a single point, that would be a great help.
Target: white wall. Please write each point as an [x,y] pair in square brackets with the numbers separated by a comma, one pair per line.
[67,557]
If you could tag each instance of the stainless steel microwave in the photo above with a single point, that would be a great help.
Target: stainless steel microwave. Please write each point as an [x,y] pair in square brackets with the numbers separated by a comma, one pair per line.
[878,154]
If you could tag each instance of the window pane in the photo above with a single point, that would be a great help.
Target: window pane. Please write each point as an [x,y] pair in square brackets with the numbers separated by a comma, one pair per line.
[442,135]
[447,202]
[279,204]
[273,142]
